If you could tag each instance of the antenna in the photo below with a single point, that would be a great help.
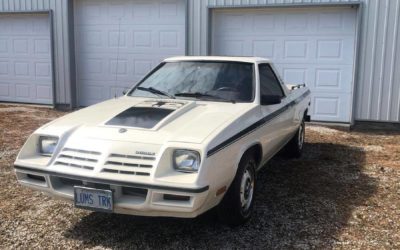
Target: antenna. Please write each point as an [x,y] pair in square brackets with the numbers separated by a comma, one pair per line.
[116,66]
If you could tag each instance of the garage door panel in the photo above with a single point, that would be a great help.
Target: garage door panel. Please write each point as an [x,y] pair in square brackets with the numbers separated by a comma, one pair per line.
[294,74]
[41,46]
[25,58]
[133,39]
[43,92]
[3,46]
[24,48]
[335,22]
[264,48]
[143,33]
[129,69]
[312,46]
[264,22]
[20,46]
[128,12]
[95,64]
[231,47]
[229,22]
[22,91]
[98,91]
[328,79]
[290,49]
[41,26]
[42,70]
[93,92]
[296,23]
[21,25]
[296,49]
[330,21]
[330,107]
[22,69]
[281,21]
[35,71]
[25,92]
[4,68]
[5,91]
[329,49]
[334,50]
[332,78]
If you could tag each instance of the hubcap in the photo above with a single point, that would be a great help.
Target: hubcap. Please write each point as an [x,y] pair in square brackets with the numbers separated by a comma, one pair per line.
[301,136]
[246,190]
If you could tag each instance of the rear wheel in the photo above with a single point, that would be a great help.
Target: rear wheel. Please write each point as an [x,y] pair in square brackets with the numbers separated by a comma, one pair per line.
[237,204]
[294,148]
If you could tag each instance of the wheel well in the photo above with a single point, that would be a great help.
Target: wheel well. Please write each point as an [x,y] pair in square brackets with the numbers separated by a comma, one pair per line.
[255,150]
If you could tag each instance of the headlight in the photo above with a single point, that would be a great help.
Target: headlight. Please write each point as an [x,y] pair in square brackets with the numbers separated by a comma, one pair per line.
[186,160]
[47,145]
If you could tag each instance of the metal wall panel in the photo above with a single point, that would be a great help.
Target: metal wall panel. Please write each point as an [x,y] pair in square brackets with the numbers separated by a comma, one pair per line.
[378,78]
[60,36]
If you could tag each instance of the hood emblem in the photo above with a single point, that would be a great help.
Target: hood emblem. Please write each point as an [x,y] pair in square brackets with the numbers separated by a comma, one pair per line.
[122,130]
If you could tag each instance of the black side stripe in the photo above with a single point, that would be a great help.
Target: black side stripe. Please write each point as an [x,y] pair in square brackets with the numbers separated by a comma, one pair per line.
[256,125]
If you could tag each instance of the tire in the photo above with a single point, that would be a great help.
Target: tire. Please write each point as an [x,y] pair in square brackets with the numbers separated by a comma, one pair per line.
[237,205]
[294,148]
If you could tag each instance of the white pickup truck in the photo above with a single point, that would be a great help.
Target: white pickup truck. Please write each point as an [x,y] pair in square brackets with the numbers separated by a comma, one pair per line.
[189,137]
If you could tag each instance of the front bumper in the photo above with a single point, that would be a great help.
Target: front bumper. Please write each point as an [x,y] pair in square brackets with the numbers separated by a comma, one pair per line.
[129,198]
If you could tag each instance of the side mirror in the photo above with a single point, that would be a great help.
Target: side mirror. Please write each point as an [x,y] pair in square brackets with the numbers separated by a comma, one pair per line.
[270,99]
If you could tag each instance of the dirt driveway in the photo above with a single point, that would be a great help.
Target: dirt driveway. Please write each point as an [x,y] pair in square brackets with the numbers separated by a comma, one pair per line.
[344,193]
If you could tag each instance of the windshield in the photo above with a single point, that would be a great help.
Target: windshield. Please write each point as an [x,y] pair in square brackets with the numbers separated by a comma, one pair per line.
[219,81]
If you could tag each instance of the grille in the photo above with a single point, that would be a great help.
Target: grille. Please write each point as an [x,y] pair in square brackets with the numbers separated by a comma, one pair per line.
[78,158]
[129,164]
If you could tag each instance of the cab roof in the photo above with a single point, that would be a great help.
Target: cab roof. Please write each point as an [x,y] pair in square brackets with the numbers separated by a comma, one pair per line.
[247,59]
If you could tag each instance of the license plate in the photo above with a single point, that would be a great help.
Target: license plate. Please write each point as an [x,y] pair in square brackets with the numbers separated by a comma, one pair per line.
[93,199]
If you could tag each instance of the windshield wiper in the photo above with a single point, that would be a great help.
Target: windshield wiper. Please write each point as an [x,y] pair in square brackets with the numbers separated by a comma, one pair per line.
[199,95]
[156,91]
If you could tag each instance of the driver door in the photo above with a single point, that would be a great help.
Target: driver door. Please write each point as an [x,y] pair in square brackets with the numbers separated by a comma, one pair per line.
[278,129]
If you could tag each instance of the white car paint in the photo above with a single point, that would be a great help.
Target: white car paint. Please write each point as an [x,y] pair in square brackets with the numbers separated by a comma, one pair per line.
[220,131]
[314,46]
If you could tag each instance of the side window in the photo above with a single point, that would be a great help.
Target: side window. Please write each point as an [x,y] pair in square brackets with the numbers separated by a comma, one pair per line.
[269,84]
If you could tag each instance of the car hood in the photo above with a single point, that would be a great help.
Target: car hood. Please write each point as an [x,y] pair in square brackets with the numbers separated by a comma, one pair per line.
[147,120]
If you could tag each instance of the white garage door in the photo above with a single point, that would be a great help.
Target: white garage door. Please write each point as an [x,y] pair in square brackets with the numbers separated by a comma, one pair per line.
[312,46]
[144,32]
[25,59]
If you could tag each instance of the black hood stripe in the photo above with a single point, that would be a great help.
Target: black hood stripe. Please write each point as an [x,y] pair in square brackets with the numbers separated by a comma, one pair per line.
[140,117]
[256,125]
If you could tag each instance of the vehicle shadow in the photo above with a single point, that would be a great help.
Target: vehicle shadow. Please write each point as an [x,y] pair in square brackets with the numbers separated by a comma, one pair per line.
[300,203]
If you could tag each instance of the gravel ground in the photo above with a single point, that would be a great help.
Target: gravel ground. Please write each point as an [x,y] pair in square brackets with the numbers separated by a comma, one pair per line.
[344,193]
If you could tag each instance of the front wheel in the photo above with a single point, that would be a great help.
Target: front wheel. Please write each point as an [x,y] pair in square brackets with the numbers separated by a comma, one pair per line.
[294,148]
[237,205]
